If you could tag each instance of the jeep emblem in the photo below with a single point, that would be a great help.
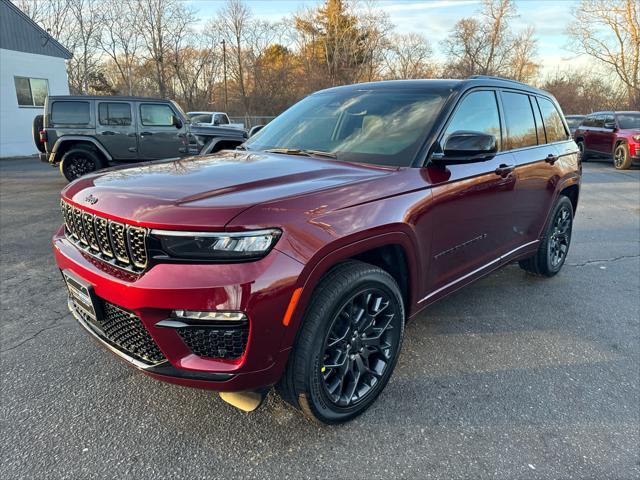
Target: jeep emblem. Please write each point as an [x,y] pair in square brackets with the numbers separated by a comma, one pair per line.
[91,200]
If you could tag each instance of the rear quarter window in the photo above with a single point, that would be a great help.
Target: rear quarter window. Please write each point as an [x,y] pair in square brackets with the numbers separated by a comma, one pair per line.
[70,113]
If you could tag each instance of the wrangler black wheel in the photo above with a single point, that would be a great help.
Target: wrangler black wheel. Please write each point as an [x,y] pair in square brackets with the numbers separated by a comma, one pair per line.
[554,245]
[78,162]
[348,344]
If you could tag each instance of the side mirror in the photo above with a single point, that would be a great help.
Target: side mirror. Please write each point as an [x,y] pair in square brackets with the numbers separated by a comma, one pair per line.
[466,146]
[176,122]
[255,129]
[610,125]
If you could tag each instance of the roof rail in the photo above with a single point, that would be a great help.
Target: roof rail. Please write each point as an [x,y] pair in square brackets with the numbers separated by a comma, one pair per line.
[495,77]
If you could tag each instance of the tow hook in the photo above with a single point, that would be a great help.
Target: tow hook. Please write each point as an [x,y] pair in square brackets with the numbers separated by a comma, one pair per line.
[245,401]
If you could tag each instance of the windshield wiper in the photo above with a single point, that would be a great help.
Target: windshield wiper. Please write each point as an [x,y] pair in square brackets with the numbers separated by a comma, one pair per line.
[304,152]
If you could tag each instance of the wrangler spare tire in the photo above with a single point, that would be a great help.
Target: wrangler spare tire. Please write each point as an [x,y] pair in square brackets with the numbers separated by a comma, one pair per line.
[36,126]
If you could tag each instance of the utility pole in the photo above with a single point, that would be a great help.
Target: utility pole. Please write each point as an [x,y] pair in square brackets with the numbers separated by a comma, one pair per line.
[224,69]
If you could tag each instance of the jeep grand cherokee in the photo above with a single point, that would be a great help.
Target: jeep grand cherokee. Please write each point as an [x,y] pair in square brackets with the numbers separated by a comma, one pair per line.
[296,261]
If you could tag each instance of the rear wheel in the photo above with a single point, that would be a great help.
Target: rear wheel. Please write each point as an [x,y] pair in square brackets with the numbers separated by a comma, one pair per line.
[78,162]
[621,157]
[554,246]
[348,344]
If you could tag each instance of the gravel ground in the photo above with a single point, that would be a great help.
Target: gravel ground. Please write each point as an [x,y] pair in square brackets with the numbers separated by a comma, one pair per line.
[512,377]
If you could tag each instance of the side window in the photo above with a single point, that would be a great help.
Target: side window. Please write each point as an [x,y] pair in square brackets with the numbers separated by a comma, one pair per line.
[222,119]
[598,121]
[521,128]
[156,115]
[539,125]
[478,112]
[553,124]
[114,114]
[608,119]
[70,113]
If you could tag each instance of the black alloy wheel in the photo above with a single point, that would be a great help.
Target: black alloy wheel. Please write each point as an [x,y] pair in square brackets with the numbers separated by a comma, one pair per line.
[78,162]
[359,346]
[558,245]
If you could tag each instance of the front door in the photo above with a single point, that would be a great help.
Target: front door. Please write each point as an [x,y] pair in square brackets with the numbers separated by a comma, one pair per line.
[158,137]
[116,130]
[472,204]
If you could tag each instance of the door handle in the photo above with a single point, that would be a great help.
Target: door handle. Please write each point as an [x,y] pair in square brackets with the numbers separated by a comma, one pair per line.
[108,132]
[503,170]
[551,159]
[143,134]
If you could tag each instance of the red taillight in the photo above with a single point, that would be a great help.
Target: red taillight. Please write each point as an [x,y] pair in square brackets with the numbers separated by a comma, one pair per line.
[43,136]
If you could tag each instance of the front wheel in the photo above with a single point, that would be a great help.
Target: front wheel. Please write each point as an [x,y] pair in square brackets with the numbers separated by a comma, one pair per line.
[554,245]
[348,344]
[582,151]
[621,157]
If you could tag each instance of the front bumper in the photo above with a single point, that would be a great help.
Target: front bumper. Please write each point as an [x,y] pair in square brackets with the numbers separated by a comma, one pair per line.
[261,289]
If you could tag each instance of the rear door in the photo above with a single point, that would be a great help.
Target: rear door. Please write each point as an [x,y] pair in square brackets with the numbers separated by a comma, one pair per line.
[535,159]
[158,137]
[116,129]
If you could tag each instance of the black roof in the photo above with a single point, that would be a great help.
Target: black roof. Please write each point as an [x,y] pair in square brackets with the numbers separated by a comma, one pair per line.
[116,98]
[441,84]
[21,34]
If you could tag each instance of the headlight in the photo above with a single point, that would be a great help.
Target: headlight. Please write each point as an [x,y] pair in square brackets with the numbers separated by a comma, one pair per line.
[636,138]
[217,245]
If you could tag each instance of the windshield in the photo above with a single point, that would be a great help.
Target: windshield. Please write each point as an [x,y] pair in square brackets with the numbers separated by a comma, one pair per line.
[384,127]
[629,120]
[574,121]
[200,117]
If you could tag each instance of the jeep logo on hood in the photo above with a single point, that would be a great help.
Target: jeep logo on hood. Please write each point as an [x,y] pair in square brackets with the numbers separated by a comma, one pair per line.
[91,200]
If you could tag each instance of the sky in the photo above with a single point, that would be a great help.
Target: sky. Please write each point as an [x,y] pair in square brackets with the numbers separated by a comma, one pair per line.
[435,18]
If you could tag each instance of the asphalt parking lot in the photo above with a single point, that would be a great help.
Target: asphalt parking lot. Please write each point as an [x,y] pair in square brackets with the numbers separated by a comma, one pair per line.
[513,377]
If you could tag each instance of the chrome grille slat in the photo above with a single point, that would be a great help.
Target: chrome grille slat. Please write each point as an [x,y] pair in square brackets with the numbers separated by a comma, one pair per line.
[113,242]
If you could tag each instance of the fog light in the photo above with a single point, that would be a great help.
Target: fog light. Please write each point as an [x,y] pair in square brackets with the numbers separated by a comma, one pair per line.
[209,316]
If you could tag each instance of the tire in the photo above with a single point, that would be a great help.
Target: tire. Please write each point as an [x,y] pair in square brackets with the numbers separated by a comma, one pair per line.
[36,126]
[79,161]
[582,151]
[554,246]
[621,157]
[329,333]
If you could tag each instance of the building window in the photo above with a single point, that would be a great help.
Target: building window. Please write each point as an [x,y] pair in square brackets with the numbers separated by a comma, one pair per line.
[31,92]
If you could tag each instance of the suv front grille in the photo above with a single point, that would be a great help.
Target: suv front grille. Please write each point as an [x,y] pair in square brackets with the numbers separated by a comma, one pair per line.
[113,242]
[227,343]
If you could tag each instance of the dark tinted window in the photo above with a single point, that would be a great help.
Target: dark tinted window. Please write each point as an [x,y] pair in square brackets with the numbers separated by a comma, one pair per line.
[478,112]
[589,121]
[553,125]
[385,127]
[156,115]
[629,119]
[521,128]
[200,117]
[222,119]
[70,113]
[598,122]
[114,114]
[609,120]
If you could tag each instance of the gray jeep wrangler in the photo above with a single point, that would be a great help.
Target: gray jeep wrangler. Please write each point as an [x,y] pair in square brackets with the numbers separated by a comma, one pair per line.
[82,134]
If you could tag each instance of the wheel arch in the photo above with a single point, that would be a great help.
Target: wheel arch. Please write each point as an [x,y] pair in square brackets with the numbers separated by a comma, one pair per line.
[382,250]
[64,144]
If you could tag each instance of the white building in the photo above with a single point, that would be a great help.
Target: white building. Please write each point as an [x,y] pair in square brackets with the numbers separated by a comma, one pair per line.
[32,66]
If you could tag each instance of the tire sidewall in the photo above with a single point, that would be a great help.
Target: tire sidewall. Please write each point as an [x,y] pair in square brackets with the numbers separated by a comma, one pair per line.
[625,151]
[313,390]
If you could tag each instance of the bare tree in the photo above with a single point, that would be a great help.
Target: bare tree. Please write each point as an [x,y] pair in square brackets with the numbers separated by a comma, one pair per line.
[235,17]
[120,40]
[84,66]
[609,32]
[487,46]
[409,56]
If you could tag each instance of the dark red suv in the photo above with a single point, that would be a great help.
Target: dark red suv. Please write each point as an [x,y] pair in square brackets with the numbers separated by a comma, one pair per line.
[296,260]
[612,134]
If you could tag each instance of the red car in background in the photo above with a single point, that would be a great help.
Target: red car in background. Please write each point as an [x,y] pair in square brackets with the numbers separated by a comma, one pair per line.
[615,134]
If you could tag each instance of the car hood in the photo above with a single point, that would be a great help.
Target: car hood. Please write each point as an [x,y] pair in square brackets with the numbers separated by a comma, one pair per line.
[207,192]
